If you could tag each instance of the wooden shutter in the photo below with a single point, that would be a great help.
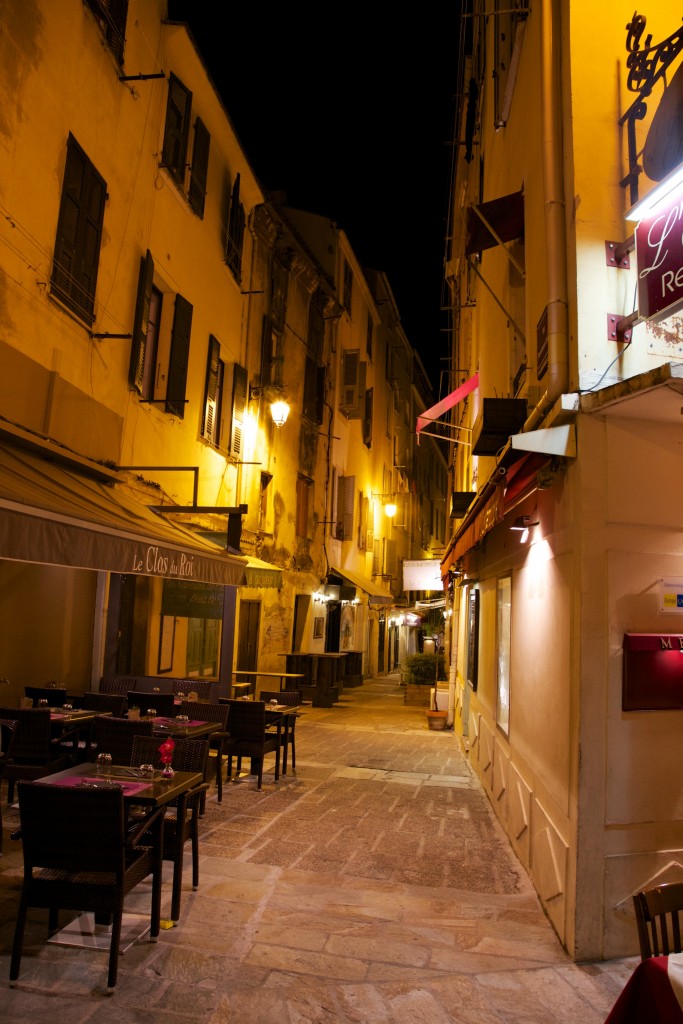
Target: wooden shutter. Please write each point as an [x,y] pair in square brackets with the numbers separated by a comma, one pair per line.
[376,557]
[236,221]
[176,131]
[367,418]
[363,509]
[141,323]
[391,560]
[346,492]
[111,15]
[211,424]
[180,354]
[239,408]
[200,166]
[353,385]
[79,233]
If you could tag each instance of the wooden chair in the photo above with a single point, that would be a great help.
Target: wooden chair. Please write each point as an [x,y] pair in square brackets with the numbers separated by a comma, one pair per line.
[80,855]
[163,703]
[249,737]
[292,698]
[117,684]
[35,751]
[8,728]
[115,736]
[202,687]
[54,695]
[217,740]
[181,823]
[657,917]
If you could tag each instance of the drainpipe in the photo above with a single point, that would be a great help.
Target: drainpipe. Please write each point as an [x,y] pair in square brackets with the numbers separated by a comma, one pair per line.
[554,212]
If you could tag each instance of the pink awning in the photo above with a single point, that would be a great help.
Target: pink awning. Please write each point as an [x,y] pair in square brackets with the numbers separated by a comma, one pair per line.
[446,403]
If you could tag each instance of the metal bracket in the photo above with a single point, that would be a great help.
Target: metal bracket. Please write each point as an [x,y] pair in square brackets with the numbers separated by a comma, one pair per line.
[620,328]
[617,253]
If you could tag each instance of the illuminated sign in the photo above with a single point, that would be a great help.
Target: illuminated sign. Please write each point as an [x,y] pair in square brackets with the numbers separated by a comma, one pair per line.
[659,257]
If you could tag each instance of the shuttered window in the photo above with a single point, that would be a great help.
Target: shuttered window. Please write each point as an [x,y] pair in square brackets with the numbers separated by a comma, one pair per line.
[235,235]
[177,129]
[200,166]
[178,360]
[353,385]
[79,234]
[346,492]
[211,420]
[367,418]
[239,409]
[138,350]
[111,16]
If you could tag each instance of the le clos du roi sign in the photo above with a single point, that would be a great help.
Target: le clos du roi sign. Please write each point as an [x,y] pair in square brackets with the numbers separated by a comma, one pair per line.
[659,255]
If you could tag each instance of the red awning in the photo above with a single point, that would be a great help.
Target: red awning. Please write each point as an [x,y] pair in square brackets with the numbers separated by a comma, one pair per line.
[446,403]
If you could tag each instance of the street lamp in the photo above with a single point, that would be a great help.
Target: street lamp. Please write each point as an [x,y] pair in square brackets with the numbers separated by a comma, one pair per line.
[273,393]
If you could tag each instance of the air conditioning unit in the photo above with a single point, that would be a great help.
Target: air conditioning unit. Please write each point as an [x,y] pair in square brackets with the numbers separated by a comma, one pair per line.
[497,421]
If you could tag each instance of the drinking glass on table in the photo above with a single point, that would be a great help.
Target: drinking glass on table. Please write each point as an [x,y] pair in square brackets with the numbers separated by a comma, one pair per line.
[103,764]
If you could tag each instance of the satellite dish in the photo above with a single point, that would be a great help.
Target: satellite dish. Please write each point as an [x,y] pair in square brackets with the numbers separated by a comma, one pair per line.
[663,148]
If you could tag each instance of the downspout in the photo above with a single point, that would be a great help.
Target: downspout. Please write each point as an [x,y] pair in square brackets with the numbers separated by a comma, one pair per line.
[554,212]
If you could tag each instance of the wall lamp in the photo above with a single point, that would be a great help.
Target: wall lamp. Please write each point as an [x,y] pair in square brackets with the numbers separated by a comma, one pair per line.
[388,501]
[522,525]
[273,393]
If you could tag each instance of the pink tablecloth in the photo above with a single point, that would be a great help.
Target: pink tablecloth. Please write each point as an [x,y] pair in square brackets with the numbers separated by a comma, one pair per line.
[653,993]
[129,788]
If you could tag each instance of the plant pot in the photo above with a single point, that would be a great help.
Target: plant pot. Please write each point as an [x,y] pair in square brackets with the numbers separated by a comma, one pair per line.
[436,719]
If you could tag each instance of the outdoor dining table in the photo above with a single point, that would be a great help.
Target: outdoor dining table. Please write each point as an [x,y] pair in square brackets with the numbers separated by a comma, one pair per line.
[280,715]
[191,729]
[281,676]
[653,993]
[85,931]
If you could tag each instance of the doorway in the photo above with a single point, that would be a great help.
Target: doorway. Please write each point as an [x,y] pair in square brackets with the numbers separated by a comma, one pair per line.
[247,636]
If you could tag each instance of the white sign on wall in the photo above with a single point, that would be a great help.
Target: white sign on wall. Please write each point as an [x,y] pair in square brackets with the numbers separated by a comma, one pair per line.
[671,594]
[424,574]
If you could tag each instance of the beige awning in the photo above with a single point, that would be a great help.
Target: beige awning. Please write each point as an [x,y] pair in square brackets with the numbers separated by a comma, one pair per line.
[375,595]
[262,574]
[53,515]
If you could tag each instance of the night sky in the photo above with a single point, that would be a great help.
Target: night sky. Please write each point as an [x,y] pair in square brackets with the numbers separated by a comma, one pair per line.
[352,119]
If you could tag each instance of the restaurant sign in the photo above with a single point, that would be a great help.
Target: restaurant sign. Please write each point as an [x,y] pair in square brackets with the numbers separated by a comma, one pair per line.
[659,257]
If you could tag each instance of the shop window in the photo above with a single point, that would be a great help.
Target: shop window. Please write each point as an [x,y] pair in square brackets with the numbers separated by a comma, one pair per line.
[177,130]
[79,234]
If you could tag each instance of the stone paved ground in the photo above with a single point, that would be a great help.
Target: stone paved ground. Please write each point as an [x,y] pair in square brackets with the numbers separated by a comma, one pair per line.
[373,885]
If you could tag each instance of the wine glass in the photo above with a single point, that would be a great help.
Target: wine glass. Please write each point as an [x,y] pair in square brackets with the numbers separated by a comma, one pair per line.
[103,764]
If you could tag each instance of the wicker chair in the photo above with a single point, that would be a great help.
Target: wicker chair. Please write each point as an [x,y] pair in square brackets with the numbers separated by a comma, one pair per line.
[163,703]
[54,695]
[8,728]
[217,740]
[202,687]
[115,703]
[82,747]
[35,752]
[79,854]
[249,737]
[658,913]
[115,736]
[117,684]
[292,698]
[181,823]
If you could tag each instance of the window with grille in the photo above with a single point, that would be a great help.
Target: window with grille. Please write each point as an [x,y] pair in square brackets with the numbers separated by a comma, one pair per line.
[79,234]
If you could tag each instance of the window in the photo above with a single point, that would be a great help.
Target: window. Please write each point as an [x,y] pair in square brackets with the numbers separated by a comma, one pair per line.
[363,518]
[278,292]
[503,617]
[213,393]
[353,385]
[348,287]
[79,234]
[368,337]
[316,325]
[263,501]
[235,234]
[367,418]
[302,492]
[177,129]
[179,356]
[346,492]
[239,409]
[199,169]
[111,16]
[314,391]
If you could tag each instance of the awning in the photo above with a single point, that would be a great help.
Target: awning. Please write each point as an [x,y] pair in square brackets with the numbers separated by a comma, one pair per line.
[505,215]
[52,515]
[446,403]
[375,595]
[262,574]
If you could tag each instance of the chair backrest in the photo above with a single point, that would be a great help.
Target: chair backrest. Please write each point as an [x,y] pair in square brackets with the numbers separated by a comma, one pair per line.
[33,737]
[292,698]
[117,684]
[247,720]
[72,829]
[8,730]
[115,736]
[205,712]
[657,917]
[116,703]
[202,687]
[189,755]
[161,702]
[54,695]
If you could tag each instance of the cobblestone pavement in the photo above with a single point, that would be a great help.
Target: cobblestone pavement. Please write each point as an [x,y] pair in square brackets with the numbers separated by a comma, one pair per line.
[374,885]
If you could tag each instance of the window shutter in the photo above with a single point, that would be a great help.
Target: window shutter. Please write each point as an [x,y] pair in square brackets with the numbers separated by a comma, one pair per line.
[391,566]
[79,233]
[345,500]
[140,323]
[213,368]
[353,385]
[200,165]
[236,221]
[180,353]
[367,418]
[112,14]
[177,129]
[376,557]
[267,352]
[363,507]
[239,407]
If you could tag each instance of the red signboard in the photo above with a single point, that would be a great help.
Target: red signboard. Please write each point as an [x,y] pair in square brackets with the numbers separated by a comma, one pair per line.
[653,672]
[659,255]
